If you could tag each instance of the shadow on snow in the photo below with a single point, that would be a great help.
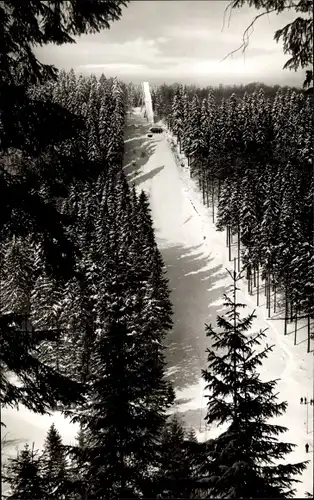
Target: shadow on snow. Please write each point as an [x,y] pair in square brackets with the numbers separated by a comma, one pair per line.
[196,301]
[145,177]
[137,149]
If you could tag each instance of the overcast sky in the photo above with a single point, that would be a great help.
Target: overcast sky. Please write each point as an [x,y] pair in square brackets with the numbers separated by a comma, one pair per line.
[182,41]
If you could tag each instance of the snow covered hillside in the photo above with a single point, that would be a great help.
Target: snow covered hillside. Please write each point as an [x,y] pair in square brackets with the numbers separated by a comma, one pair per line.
[196,258]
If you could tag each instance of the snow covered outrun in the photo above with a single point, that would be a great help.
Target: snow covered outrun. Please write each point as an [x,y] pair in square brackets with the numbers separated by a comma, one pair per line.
[196,259]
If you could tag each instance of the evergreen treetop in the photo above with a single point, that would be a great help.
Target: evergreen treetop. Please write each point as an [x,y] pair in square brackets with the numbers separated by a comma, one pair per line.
[243,462]
[23,476]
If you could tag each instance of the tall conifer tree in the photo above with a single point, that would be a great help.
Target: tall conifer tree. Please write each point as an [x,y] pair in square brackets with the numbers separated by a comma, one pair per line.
[242,461]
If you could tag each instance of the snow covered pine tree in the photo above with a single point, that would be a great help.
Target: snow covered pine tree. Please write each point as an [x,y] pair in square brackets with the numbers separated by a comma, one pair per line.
[241,460]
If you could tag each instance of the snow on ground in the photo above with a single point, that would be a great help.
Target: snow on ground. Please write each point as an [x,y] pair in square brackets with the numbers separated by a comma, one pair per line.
[196,259]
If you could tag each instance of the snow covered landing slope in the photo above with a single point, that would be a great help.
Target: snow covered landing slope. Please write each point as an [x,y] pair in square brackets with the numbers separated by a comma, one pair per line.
[196,269]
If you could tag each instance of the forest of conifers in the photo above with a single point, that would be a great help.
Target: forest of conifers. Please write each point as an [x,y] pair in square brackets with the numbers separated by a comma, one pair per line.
[252,156]
[91,343]
[118,287]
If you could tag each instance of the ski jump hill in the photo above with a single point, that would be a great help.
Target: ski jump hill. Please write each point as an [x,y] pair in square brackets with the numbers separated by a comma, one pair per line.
[147,102]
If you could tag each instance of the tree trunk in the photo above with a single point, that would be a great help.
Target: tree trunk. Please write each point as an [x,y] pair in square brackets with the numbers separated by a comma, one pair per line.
[275,296]
[296,326]
[249,284]
[230,240]
[58,351]
[269,295]
[207,191]
[286,312]
[213,199]
[235,398]
[254,275]
[291,311]
[308,333]
[227,236]
[257,295]
[239,249]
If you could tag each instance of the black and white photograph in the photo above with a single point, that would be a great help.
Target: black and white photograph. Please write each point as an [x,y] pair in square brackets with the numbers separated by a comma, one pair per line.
[156,249]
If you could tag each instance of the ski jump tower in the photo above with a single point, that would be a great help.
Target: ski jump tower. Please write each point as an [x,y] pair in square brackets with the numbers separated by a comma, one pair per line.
[147,102]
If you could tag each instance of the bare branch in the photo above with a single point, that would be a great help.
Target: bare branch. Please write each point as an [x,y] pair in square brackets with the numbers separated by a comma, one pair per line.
[246,35]
[225,12]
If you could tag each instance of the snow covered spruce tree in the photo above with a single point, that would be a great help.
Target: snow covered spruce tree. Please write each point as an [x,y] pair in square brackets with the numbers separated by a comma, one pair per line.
[69,307]
[127,393]
[16,276]
[244,461]
[177,115]
[46,309]
[40,387]
[53,466]
[210,136]
[25,290]
[179,453]
[23,476]
[250,146]
[194,136]
[47,124]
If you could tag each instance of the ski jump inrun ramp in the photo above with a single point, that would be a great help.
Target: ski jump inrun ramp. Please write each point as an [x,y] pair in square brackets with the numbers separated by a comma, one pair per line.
[148,102]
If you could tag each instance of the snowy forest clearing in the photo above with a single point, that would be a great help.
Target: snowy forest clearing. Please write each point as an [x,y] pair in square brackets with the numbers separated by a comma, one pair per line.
[196,269]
